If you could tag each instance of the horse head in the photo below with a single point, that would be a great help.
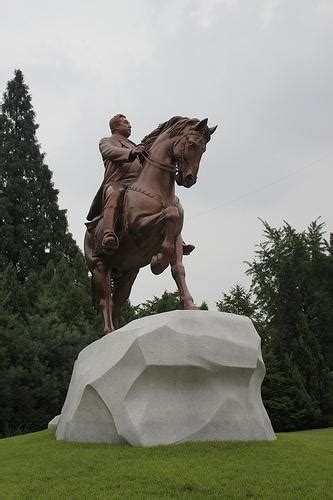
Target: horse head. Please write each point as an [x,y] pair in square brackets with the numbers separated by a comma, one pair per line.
[188,150]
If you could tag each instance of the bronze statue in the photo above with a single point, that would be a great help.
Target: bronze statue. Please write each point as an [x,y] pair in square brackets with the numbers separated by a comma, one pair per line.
[122,167]
[135,218]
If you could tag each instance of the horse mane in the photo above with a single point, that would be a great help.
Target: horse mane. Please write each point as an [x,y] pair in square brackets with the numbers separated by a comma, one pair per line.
[174,127]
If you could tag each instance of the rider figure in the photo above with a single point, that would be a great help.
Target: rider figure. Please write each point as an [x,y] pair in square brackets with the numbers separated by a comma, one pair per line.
[122,164]
[122,167]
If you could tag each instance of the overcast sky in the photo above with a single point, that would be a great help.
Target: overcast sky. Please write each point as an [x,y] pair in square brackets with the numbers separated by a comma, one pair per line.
[260,69]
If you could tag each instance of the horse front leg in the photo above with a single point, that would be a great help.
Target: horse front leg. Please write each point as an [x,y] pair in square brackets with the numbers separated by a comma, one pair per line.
[103,299]
[178,274]
[161,261]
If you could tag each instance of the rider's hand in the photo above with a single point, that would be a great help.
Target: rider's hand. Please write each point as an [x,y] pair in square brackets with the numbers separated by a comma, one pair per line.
[136,151]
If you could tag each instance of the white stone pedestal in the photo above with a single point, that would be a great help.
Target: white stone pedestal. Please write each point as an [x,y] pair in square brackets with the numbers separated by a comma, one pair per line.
[169,378]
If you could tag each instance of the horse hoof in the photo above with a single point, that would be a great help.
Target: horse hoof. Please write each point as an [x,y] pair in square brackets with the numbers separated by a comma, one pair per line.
[187,249]
[193,307]
[158,264]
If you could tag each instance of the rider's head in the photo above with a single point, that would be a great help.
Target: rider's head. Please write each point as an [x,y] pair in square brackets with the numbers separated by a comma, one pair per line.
[120,125]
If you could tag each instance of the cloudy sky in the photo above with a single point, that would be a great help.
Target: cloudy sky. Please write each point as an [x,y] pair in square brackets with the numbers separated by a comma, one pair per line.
[260,69]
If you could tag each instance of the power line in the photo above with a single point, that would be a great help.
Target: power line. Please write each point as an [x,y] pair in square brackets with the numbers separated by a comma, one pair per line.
[260,188]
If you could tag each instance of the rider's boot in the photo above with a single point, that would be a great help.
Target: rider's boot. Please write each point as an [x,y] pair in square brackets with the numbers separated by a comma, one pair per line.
[110,240]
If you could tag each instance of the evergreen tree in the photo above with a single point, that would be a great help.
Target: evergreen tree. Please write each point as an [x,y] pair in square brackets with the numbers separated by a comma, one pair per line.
[237,301]
[128,313]
[37,351]
[33,228]
[292,281]
[204,306]
[169,301]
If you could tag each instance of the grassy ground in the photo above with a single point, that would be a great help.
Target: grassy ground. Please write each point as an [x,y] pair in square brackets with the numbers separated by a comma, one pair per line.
[297,465]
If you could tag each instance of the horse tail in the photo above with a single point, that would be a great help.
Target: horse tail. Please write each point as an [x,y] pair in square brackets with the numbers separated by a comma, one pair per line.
[94,296]
[91,263]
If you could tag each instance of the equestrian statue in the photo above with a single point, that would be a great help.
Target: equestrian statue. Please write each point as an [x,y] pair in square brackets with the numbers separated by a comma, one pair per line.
[136,219]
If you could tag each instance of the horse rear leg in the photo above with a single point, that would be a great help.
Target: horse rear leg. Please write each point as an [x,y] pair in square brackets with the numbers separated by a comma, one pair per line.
[122,290]
[103,298]
[178,274]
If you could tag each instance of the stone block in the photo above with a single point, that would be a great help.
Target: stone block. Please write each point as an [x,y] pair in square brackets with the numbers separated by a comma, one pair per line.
[169,378]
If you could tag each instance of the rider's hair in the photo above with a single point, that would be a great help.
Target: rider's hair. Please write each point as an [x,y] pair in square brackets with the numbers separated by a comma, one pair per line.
[114,121]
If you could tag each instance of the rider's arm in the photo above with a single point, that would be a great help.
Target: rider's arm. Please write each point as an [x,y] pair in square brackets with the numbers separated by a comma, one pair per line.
[113,153]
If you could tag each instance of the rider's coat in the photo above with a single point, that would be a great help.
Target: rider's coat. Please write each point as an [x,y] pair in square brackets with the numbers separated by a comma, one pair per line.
[115,151]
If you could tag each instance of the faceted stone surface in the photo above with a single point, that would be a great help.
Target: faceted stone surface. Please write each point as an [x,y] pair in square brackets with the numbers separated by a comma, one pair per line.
[169,378]
[53,424]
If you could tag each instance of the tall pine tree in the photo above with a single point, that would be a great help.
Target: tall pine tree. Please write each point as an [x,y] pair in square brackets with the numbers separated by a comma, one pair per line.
[33,228]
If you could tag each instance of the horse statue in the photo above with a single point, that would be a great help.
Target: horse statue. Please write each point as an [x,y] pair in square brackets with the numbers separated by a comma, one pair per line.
[151,219]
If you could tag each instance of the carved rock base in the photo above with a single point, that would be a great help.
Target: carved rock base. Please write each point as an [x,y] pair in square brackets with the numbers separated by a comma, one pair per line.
[169,378]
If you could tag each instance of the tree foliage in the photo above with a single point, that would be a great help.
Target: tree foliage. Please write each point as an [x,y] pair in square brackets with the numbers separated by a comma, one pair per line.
[237,301]
[33,228]
[169,301]
[291,304]
[39,342]
[292,278]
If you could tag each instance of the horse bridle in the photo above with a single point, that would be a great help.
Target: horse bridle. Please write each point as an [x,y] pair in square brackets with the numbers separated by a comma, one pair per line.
[172,169]
[179,159]
[159,164]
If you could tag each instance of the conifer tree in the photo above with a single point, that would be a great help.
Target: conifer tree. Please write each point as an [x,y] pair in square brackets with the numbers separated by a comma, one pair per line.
[292,281]
[169,301]
[33,228]
[237,301]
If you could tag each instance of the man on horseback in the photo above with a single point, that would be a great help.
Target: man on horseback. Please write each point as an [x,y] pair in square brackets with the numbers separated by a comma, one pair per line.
[122,164]
[153,218]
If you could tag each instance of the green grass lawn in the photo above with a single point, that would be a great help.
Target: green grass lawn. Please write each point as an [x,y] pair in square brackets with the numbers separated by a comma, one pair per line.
[297,465]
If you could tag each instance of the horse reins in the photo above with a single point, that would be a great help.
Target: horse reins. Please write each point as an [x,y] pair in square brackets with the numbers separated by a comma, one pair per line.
[159,164]
[162,166]
[155,196]
[165,166]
